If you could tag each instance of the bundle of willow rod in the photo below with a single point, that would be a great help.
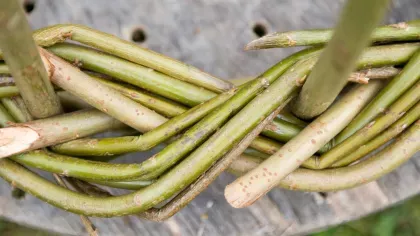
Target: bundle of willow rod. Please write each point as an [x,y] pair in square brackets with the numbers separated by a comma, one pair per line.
[206,125]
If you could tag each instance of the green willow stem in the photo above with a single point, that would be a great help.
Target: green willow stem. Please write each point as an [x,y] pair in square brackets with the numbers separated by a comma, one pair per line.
[367,133]
[398,86]
[134,74]
[248,188]
[352,34]
[4,69]
[40,133]
[129,51]
[192,191]
[345,177]
[401,32]
[12,107]
[395,129]
[8,91]
[109,147]
[159,104]
[5,118]
[120,145]
[22,57]
[99,95]
[163,160]
[377,56]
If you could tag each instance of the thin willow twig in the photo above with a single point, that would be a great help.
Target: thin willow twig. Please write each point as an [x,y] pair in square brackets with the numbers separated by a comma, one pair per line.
[338,60]
[22,57]
[129,72]
[111,44]
[250,187]
[400,32]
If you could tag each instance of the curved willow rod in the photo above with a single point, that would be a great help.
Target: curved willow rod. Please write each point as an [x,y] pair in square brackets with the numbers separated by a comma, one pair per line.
[308,180]
[398,86]
[404,122]
[132,52]
[345,177]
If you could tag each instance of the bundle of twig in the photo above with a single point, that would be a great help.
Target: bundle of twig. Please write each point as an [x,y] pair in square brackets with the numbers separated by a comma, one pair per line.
[207,124]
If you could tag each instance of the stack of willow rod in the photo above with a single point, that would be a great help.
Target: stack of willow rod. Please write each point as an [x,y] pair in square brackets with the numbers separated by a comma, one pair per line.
[206,125]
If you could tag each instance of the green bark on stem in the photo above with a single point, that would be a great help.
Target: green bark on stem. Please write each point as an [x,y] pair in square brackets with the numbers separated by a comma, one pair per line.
[395,129]
[19,115]
[22,57]
[247,189]
[345,177]
[8,91]
[159,104]
[338,60]
[134,74]
[398,86]
[113,45]
[401,32]
[367,133]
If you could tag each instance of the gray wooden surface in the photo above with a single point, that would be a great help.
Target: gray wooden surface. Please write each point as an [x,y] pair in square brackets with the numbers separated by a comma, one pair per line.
[210,35]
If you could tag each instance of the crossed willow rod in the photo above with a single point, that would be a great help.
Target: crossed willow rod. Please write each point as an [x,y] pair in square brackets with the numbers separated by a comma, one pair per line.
[367,133]
[301,179]
[301,147]
[403,31]
[351,36]
[151,139]
[156,165]
[394,155]
[254,184]
[396,88]
[21,55]
[404,51]
[382,58]
[404,122]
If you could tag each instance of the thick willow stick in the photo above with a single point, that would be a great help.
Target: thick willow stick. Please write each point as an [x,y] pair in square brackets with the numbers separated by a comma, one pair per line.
[398,86]
[192,191]
[132,73]
[98,95]
[400,32]
[363,76]
[89,226]
[129,51]
[41,133]
[404,122]
[248,188]
[22,57]
[345,177]
[351,36]
[302,179]
[367,133]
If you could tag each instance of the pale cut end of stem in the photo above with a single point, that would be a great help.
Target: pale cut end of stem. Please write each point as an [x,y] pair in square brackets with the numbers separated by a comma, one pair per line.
[14,140]
[269,41]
